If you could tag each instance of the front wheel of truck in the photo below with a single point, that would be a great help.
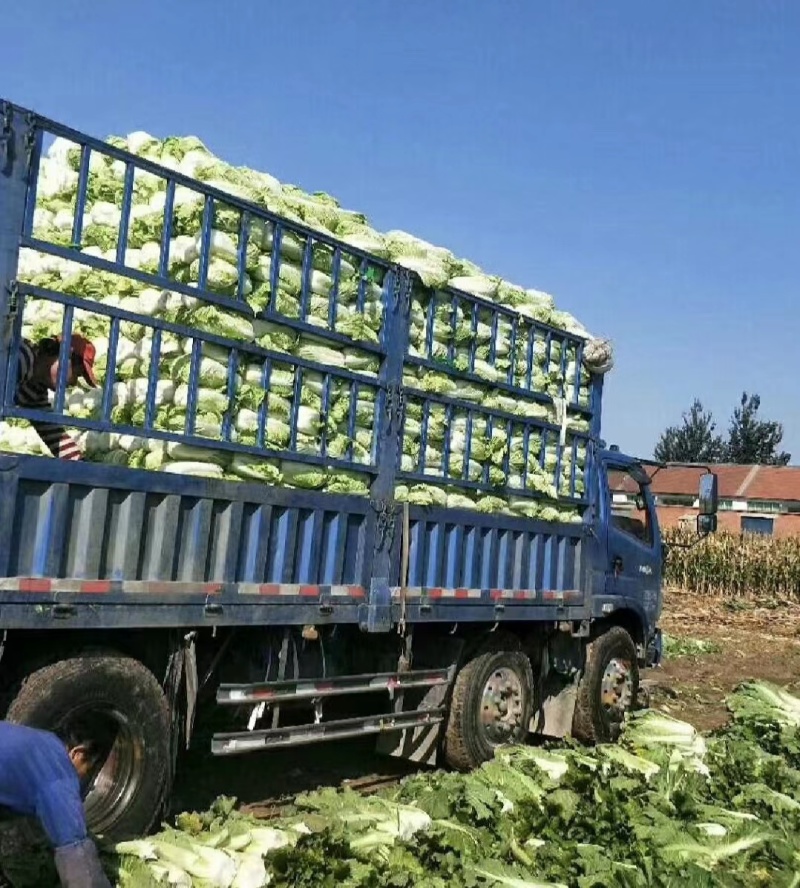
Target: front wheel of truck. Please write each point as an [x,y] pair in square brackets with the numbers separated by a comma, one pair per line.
[120,704]
[608,688]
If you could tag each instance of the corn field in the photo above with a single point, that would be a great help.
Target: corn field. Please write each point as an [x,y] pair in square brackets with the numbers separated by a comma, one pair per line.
[742,566]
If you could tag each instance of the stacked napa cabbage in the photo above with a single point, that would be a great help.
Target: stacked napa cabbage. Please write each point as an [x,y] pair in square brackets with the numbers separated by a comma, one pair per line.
[233,400]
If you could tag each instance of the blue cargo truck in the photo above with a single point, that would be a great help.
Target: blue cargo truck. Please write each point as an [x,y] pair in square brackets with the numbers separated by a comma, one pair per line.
[149,602]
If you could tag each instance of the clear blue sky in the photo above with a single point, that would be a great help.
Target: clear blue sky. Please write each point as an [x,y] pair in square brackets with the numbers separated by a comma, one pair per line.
[638,160]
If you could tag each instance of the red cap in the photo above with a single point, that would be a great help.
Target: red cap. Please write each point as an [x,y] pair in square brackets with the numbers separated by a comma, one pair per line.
[85,351]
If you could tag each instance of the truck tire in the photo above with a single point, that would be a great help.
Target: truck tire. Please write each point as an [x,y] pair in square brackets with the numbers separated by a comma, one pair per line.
[125,795]
[608,687]
[491,705]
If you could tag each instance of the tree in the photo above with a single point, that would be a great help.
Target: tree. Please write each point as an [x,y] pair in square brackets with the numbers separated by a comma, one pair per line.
[693,441]
[752,440]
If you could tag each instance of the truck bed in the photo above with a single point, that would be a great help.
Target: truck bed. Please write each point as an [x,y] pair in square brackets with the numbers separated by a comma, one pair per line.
[95,545]
[92,546]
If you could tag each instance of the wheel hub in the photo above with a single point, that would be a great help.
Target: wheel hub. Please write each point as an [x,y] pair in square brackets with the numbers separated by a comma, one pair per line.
[616,688]
[501,706]
[117,777]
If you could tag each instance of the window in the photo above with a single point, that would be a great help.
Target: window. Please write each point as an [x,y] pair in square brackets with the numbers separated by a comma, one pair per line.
[631,516]
[675,500]
[754,524]
[764,506]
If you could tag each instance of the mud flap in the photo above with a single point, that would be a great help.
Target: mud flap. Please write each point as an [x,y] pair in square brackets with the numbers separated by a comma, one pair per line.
[557,709]
[419,744]
[376,616]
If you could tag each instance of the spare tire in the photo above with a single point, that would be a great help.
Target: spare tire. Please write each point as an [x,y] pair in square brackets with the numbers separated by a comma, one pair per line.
[124,698]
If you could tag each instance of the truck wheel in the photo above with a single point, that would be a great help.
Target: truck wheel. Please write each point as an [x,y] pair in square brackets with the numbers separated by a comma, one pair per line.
[125,701]
[608,688]
[491,706]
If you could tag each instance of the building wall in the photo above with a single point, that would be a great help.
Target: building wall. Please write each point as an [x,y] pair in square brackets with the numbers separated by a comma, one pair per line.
[783,525]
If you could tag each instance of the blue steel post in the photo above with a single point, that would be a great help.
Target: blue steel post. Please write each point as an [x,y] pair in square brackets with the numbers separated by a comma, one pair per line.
[16,146]
[376,615]
[592,470]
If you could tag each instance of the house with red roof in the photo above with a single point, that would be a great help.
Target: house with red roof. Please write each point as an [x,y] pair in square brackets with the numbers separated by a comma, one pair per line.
[752,499]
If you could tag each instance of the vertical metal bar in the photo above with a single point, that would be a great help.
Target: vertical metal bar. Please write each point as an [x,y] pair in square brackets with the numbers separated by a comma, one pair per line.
[451,345]
[294,415]
[563,369]
[423,436]
[351,419]
[263,409]
[529,358]
[152,380]
[559,454]
[231,389]
[548,349]
[241,258]
[382,548]
[493,340]
[205,242]
[125,213]
[194,381]
[166,231]
[111,361]
[275,265]
[526,449]
[13,342]
[13,197]
[544,436]
[489,434]
[34,164]
[448,421]
[574,466]
[468,443]
[305,285]
[326,406]
[431,317]
[64,359]
[80,197]
[473,342]
[333,301]
[512,363]
[364,280]
[578,364]
[507,454]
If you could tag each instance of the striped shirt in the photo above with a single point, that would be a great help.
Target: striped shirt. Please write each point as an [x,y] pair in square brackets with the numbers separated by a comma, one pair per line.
[33,395]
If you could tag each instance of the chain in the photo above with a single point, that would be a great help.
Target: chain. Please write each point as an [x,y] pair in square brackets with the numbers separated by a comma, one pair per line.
[30,138]
[386,512]
[401,290]
[394,404]
[13,299]
[6,132]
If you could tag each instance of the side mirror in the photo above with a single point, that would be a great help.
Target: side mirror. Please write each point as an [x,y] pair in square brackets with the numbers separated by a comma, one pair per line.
[709,495]
[706,524]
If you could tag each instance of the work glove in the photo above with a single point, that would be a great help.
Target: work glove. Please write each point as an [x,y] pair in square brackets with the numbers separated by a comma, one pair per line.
[79,866]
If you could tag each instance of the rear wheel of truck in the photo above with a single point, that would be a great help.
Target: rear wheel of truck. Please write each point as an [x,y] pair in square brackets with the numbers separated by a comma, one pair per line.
[608,687]
[491,706]
[125,709]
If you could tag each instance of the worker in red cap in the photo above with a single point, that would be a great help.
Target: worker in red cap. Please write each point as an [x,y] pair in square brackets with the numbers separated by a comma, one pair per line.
[38,374]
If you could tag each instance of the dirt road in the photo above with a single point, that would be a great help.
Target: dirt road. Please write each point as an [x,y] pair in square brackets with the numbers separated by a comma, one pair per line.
[712,645]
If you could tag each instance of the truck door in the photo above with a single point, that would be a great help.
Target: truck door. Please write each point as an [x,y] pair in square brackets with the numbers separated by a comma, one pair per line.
[634,541]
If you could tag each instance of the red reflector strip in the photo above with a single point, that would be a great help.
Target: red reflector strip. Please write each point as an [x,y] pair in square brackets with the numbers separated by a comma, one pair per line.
[96,587]
[35,584]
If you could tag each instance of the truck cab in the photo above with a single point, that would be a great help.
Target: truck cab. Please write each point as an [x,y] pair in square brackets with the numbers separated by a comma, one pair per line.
[634,547]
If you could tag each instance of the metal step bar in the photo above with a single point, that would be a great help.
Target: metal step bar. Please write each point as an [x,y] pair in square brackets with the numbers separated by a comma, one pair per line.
[300,735]
[315,689]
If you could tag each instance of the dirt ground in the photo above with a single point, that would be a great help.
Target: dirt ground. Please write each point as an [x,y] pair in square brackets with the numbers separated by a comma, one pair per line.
[710,646]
